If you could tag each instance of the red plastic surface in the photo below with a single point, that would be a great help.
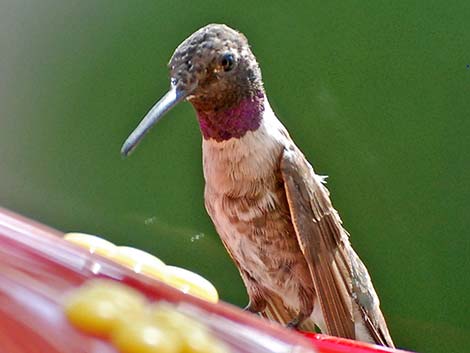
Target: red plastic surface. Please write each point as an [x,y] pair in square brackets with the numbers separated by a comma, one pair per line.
[330,344]
[37,268]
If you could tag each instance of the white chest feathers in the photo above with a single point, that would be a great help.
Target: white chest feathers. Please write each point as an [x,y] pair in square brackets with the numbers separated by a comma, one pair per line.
[231,166]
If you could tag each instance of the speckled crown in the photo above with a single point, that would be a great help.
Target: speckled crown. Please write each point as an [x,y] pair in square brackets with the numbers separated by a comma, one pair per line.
[196,64]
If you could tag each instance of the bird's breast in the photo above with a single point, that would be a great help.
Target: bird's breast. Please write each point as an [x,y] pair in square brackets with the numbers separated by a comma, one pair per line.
[245,197]
[243,183]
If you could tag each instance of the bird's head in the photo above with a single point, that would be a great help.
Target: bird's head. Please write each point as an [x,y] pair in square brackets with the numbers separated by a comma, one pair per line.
[216,71]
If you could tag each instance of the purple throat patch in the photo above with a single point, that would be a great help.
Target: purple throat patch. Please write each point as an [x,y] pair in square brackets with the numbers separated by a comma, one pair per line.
[234,122]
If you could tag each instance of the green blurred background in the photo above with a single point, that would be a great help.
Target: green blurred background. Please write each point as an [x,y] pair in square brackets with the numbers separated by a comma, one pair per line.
[376,93]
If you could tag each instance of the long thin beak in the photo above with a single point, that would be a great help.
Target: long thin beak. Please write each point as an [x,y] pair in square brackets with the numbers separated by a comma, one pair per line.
[168,101]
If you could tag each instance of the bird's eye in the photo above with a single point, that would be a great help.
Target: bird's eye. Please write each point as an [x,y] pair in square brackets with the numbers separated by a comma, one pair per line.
[227,62]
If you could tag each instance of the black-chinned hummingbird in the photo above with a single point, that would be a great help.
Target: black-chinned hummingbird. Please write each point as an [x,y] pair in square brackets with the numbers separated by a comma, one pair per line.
[272,212]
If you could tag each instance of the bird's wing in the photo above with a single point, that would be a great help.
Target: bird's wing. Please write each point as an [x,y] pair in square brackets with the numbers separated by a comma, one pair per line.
[368,301]
[322,240]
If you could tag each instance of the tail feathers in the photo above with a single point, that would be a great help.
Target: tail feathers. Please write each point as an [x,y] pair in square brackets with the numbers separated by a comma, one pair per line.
[378,331]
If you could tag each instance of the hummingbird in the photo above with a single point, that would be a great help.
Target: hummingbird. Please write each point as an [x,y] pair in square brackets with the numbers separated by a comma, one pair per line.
[272,212]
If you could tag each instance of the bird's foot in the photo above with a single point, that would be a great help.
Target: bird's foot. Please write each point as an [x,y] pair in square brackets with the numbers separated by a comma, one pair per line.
[296,321]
